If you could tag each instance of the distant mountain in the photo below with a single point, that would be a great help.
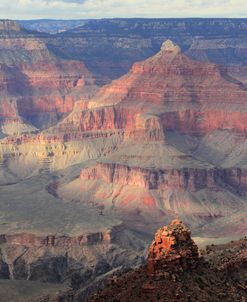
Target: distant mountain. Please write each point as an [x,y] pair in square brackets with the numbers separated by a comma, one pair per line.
[51,26]
[110,46]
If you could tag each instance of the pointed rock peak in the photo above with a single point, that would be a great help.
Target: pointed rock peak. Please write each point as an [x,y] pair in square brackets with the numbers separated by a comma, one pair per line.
[169,46]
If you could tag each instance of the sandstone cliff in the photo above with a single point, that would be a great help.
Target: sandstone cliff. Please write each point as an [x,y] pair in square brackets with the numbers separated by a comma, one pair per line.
[190,179]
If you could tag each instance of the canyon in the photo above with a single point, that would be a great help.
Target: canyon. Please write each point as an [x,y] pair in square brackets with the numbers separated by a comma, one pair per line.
[97,154]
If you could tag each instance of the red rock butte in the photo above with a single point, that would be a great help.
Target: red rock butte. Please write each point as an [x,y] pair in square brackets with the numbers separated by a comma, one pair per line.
[172,250]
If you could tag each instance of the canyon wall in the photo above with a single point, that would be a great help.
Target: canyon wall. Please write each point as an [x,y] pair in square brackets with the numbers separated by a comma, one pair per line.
[190,179]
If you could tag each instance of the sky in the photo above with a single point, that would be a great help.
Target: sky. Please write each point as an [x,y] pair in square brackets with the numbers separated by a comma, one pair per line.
[86,9]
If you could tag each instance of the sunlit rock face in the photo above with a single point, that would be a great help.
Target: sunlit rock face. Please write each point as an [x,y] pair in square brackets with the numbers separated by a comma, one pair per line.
[190,179]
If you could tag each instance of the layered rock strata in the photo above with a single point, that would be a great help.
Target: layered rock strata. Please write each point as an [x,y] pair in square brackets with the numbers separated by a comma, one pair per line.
[168,91]
[31,240]
[190,179]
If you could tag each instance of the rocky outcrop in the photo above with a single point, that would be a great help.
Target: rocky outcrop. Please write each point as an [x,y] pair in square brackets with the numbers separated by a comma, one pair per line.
[172,251]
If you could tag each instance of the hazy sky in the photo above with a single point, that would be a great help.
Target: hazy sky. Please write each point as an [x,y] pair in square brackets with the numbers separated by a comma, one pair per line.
[76,9]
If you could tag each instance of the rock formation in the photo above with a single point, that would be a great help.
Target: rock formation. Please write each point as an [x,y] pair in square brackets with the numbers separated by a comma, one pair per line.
[168,91]
[190,179]
[172,251]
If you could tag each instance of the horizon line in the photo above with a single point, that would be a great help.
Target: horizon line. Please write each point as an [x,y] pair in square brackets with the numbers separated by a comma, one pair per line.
[123,18]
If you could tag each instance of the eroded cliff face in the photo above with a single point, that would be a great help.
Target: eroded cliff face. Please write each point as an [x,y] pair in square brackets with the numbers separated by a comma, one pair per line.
[34,81]
[193,121]
[31,240]
[189,179]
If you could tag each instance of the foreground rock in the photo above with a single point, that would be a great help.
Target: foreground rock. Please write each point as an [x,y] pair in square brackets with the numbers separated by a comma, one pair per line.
[172,250]
[175,272]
